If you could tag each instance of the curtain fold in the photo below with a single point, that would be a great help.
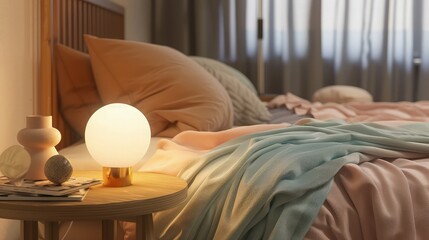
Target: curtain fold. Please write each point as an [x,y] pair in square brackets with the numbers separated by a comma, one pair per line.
[292,46]
[307,44]
[423,80]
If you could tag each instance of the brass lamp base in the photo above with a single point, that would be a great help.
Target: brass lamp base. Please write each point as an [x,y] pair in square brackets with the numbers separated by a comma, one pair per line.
[117,177]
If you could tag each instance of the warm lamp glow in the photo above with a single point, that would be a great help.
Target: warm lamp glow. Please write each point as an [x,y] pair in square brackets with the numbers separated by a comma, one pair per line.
[117,136]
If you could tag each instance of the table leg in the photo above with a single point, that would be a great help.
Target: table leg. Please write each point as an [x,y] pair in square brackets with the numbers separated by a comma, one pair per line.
[108,229]
[52,230]
[144,227]
[31,230]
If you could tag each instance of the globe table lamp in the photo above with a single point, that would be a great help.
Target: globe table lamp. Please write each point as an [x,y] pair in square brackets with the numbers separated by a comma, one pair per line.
[117,136]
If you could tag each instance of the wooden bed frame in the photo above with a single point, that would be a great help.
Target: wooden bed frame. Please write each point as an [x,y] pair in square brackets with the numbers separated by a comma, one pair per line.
[65,22]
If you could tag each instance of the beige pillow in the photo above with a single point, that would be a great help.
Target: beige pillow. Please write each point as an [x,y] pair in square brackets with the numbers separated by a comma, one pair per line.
[248,108]
[79,98]
[341,94]
[174,92]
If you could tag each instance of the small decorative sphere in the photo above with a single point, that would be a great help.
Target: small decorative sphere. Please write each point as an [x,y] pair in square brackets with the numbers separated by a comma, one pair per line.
[58,169]
[14,162]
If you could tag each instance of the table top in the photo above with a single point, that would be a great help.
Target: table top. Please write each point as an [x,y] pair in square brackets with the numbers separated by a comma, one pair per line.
[149,192]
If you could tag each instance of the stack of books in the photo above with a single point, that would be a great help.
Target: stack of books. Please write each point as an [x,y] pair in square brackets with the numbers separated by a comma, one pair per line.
[74,189]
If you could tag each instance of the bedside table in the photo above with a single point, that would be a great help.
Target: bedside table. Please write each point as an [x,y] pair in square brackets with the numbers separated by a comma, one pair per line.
[149,193]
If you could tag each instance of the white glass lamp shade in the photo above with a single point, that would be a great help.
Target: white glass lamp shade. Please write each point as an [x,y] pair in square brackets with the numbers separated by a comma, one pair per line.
[117,135]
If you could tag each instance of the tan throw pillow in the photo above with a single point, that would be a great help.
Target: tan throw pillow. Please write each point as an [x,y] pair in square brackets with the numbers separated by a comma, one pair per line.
[79,98]
[174,92]
[341,94]
[248,108]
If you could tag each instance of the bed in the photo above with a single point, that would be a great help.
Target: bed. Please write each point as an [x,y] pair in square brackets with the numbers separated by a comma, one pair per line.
[287,168]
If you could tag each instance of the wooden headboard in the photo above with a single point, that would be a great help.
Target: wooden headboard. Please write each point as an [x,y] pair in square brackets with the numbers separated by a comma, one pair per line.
[65,22]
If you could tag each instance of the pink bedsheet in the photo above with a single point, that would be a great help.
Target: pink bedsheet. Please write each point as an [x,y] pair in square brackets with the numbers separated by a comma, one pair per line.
[376,200]
[355,112]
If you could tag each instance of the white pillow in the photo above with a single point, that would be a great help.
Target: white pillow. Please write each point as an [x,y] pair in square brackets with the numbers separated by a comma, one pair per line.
[248,108]
[341,94]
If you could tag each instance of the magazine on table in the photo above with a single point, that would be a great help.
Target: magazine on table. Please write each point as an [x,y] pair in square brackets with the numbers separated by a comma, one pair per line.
[46,187]
[13,196]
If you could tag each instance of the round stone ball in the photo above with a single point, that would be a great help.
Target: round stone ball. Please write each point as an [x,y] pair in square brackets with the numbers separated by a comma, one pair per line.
[58,169]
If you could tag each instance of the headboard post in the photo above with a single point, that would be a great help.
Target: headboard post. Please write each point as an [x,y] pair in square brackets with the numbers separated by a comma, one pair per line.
[44,87]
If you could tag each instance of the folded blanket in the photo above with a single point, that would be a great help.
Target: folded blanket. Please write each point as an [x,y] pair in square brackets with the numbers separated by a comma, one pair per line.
[271,184]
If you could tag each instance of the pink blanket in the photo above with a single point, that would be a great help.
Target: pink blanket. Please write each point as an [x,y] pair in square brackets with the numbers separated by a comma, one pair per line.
[355,112]
[377,200]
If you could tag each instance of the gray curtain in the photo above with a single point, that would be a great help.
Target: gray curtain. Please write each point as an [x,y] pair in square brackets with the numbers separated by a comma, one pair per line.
[307,44]
[217,29]
[292,47]
[423,80]
[365,43]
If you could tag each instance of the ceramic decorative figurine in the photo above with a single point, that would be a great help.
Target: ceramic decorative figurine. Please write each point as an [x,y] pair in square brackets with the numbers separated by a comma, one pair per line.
[39,139]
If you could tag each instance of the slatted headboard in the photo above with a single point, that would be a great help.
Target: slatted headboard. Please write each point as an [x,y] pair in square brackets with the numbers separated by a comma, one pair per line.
[65,22]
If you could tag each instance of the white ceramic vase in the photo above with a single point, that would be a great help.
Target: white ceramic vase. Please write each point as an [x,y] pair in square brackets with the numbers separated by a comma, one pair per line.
[39,138]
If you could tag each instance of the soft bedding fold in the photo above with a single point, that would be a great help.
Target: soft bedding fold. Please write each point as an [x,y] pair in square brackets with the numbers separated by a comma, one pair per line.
[380,199]
[271,184]
[355,111]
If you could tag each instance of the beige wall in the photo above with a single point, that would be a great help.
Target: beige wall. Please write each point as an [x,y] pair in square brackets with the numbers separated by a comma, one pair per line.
[17,66]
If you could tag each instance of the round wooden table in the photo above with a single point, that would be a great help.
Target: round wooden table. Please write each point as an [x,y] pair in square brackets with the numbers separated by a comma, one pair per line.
[149,193]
